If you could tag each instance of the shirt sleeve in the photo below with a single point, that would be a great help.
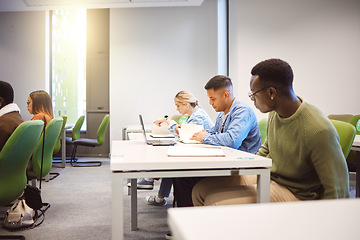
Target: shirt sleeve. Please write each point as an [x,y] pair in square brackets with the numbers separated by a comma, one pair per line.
[330,165]
[235,130]
[172,127]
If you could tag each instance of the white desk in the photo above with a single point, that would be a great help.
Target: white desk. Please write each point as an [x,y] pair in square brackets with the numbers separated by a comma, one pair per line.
[311,220]
[134,129]
[135,159]
[356,147]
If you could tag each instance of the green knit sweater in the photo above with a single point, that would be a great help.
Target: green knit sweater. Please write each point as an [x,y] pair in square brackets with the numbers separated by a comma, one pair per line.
[306,154]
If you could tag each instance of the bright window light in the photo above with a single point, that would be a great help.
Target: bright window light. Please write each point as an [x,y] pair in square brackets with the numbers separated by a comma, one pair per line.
[69,63]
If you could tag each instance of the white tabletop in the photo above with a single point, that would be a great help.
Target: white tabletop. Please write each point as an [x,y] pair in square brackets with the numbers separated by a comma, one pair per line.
[311,220]
[356,142]
[137,156]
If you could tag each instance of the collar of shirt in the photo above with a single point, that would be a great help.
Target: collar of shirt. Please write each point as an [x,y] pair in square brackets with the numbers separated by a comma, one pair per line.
[12,107]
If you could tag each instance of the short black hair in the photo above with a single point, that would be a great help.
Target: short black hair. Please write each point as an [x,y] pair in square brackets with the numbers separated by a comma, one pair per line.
[217,82]
[6,92]
[274,73]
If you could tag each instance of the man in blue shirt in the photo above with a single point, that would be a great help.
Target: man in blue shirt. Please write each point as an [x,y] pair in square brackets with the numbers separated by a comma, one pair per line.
[236,127]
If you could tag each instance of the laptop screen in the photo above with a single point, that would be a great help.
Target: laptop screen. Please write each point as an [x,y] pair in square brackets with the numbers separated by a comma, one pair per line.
[143,127]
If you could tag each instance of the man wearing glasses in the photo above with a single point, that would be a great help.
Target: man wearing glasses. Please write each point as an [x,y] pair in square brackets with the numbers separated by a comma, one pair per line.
[236,127]
[308,162]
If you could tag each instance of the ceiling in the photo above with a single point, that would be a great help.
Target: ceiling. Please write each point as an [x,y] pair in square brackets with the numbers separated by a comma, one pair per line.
[36,5]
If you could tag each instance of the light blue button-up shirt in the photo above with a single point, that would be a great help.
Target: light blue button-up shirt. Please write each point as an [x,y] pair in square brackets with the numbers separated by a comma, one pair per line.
[199,117]
[240,129]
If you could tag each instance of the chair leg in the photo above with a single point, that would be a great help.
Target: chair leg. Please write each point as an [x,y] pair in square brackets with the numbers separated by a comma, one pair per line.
[33,182]
[54,175]
[76,163]
[47,177]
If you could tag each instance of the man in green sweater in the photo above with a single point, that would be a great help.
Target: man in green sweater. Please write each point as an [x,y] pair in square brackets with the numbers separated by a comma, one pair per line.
[308,162]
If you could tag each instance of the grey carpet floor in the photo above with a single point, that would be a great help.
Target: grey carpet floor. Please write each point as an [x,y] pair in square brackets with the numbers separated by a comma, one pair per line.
[80,201]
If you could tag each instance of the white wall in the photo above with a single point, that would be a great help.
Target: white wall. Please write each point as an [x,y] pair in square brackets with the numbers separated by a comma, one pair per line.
[22,54]
[318,38]
[155,53]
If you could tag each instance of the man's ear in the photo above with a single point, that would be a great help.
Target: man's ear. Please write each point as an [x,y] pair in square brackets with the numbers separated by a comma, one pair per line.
[227,95]
[2,101]
[272,92]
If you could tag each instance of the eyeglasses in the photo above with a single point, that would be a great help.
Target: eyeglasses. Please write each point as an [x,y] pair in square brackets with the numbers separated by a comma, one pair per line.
[28,102]
[252,94]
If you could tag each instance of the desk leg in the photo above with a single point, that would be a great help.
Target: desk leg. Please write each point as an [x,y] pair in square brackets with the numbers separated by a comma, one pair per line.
[357,174]
[133,204]
[263,186]
[63,149]
[117,224]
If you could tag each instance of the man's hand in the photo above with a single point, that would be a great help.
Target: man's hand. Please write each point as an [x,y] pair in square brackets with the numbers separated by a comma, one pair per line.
[199,135]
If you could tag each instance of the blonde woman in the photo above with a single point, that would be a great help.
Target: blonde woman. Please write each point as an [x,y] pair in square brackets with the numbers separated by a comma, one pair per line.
[186,104]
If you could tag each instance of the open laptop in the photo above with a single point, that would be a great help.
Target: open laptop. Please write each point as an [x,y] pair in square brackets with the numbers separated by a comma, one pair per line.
[154,142]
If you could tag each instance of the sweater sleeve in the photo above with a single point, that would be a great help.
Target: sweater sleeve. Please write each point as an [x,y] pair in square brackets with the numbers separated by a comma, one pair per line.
[264,150]
[330,164]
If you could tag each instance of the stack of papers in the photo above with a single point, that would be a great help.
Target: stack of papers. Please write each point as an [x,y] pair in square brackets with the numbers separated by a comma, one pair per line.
[201,151]
[187,131]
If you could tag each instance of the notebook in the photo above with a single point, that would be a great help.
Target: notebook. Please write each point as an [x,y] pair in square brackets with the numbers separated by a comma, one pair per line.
[187,131]
[161,132]
[154,142]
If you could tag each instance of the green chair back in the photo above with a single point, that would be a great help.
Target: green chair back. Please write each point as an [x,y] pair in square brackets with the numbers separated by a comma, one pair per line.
[14,158]
[340,117]
[58,142]
[263,129]
[346,133]
[77,128]
[353,121]
[177,118]
[102,129]
[52,132]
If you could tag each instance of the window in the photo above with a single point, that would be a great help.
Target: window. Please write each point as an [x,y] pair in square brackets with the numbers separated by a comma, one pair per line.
[68,60]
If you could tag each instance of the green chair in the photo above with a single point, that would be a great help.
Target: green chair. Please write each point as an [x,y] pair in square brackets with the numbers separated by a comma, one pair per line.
[179,118]
[351,158]
[52,132]
[340,117]
[57,147]
[75,134]
[263,129]
[58,142]
[76,130]
[90,143]
[14,158]
[353,121]
[346,133]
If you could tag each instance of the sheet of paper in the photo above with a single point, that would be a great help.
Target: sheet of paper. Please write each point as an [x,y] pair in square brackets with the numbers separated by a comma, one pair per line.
[158,131]
[187,131]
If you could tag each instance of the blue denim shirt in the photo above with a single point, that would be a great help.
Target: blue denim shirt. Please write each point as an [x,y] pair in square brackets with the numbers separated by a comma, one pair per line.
[199,117]
[240,129]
